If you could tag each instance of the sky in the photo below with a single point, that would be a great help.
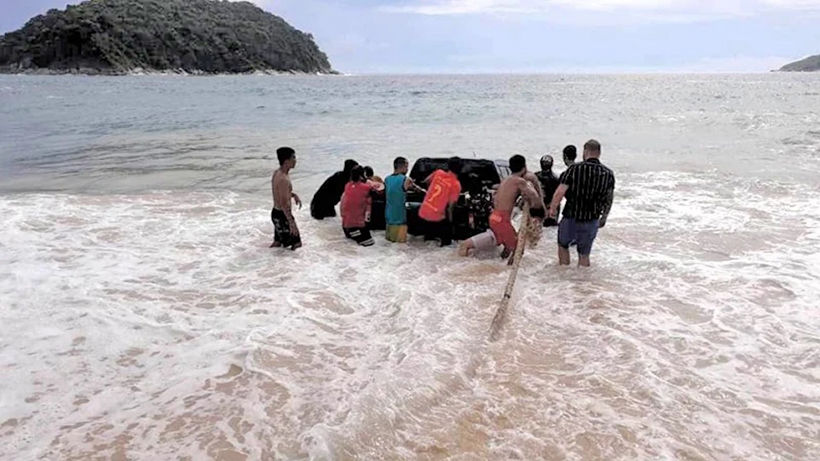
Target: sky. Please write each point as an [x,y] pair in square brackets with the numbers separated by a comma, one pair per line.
[534,36]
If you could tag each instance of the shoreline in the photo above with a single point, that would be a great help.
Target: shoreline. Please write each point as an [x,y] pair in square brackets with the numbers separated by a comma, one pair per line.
[139,71]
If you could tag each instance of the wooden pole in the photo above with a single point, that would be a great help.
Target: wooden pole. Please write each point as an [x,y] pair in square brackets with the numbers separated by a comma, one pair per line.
[501,313]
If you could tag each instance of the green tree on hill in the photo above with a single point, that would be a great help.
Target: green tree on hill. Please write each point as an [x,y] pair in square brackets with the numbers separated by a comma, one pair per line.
[118,36]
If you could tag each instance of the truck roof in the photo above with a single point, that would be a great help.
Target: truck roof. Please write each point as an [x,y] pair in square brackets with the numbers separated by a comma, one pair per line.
[487,171]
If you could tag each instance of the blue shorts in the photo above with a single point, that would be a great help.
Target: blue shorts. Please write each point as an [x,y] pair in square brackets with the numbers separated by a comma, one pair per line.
[581,233]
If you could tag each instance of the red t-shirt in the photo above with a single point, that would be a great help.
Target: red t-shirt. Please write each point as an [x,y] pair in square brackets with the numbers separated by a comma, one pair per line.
[355,204]
[444,190]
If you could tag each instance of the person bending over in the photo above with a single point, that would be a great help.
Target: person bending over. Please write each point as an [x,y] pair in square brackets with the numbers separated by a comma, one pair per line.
[330,192]
[508,193]
[356,208]
[506,196]
[589,188]
[437,208]
[285,231]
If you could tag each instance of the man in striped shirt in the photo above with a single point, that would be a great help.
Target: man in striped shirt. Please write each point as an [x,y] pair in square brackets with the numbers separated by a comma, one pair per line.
[588,187]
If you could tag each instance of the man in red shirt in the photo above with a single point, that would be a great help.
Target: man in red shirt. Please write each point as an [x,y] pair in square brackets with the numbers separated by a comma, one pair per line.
[355,208]
[442,195]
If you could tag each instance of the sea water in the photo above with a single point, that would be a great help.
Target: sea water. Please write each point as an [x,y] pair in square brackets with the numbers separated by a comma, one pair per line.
[143,316]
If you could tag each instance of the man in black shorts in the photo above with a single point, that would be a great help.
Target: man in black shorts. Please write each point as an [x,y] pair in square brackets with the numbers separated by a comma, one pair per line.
[285,231]
[589,187]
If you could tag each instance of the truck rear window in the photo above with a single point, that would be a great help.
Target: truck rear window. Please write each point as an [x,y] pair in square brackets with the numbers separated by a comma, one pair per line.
[484,170]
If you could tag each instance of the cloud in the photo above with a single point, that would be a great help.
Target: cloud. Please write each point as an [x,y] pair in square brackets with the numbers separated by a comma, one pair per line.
[655,10]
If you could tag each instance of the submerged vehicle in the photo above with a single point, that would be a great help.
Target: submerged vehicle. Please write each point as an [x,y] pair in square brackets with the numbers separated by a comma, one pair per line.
[471,215]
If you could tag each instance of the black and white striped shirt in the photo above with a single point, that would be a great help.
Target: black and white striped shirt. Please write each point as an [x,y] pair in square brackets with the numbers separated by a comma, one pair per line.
[588,185]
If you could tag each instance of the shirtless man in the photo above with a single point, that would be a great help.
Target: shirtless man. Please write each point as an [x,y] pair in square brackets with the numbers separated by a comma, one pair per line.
[503,233]
[285,231]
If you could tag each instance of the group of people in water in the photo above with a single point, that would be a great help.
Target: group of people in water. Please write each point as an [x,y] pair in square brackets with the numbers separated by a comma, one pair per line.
[588,187]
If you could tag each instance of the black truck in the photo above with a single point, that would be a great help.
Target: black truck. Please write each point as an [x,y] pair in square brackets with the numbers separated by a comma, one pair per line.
[471,215]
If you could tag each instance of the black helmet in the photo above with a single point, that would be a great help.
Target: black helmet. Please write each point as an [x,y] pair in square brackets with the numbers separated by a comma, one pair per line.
[546,162]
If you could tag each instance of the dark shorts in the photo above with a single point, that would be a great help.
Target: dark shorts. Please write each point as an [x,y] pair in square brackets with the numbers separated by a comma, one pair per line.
[282,233]
[360,234]
[581,233]
[438,230]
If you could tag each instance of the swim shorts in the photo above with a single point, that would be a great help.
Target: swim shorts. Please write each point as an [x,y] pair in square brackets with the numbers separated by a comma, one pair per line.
[282,233]
[396,233]
[503,229]
[359,234]
[484,241]
[581,233]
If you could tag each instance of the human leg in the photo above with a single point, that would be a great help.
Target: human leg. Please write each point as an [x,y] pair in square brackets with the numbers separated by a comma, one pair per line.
[504,232]
[360,235]
[396,233]
[445,233]
[563,256]
[586,233]
[566,237]
[466,248]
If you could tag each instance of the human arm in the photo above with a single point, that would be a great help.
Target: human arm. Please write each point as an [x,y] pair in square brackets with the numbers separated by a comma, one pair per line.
[410,184]
[610,196]
[455,195]
[282,193]
[296,199]
[536,185]
[369,208]
[560,192]
[530,194]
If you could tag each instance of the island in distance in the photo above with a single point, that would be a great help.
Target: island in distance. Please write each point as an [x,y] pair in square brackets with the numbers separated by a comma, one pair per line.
[117,37]
[810,64]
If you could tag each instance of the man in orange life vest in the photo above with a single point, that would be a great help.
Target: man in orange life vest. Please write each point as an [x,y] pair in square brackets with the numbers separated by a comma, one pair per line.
[442,195]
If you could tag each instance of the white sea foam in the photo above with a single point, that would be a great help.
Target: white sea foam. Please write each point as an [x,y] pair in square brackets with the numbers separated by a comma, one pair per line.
[158,325]
[161,325]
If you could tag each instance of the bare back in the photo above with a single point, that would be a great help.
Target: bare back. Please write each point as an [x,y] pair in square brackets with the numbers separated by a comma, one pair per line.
[510,189]
[282,189]
[532,179]
[536,184]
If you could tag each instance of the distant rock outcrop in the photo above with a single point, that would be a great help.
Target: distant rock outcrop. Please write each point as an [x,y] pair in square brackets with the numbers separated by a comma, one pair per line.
[196,36]
[810,64]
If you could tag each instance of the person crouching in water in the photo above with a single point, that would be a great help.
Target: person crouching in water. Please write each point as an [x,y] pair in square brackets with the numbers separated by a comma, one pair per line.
[355,208]
[330,192]
[437,208]
[285,232]
[395,212]
[501,228]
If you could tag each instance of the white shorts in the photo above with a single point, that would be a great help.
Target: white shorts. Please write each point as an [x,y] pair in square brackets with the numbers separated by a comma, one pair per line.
[484,241]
